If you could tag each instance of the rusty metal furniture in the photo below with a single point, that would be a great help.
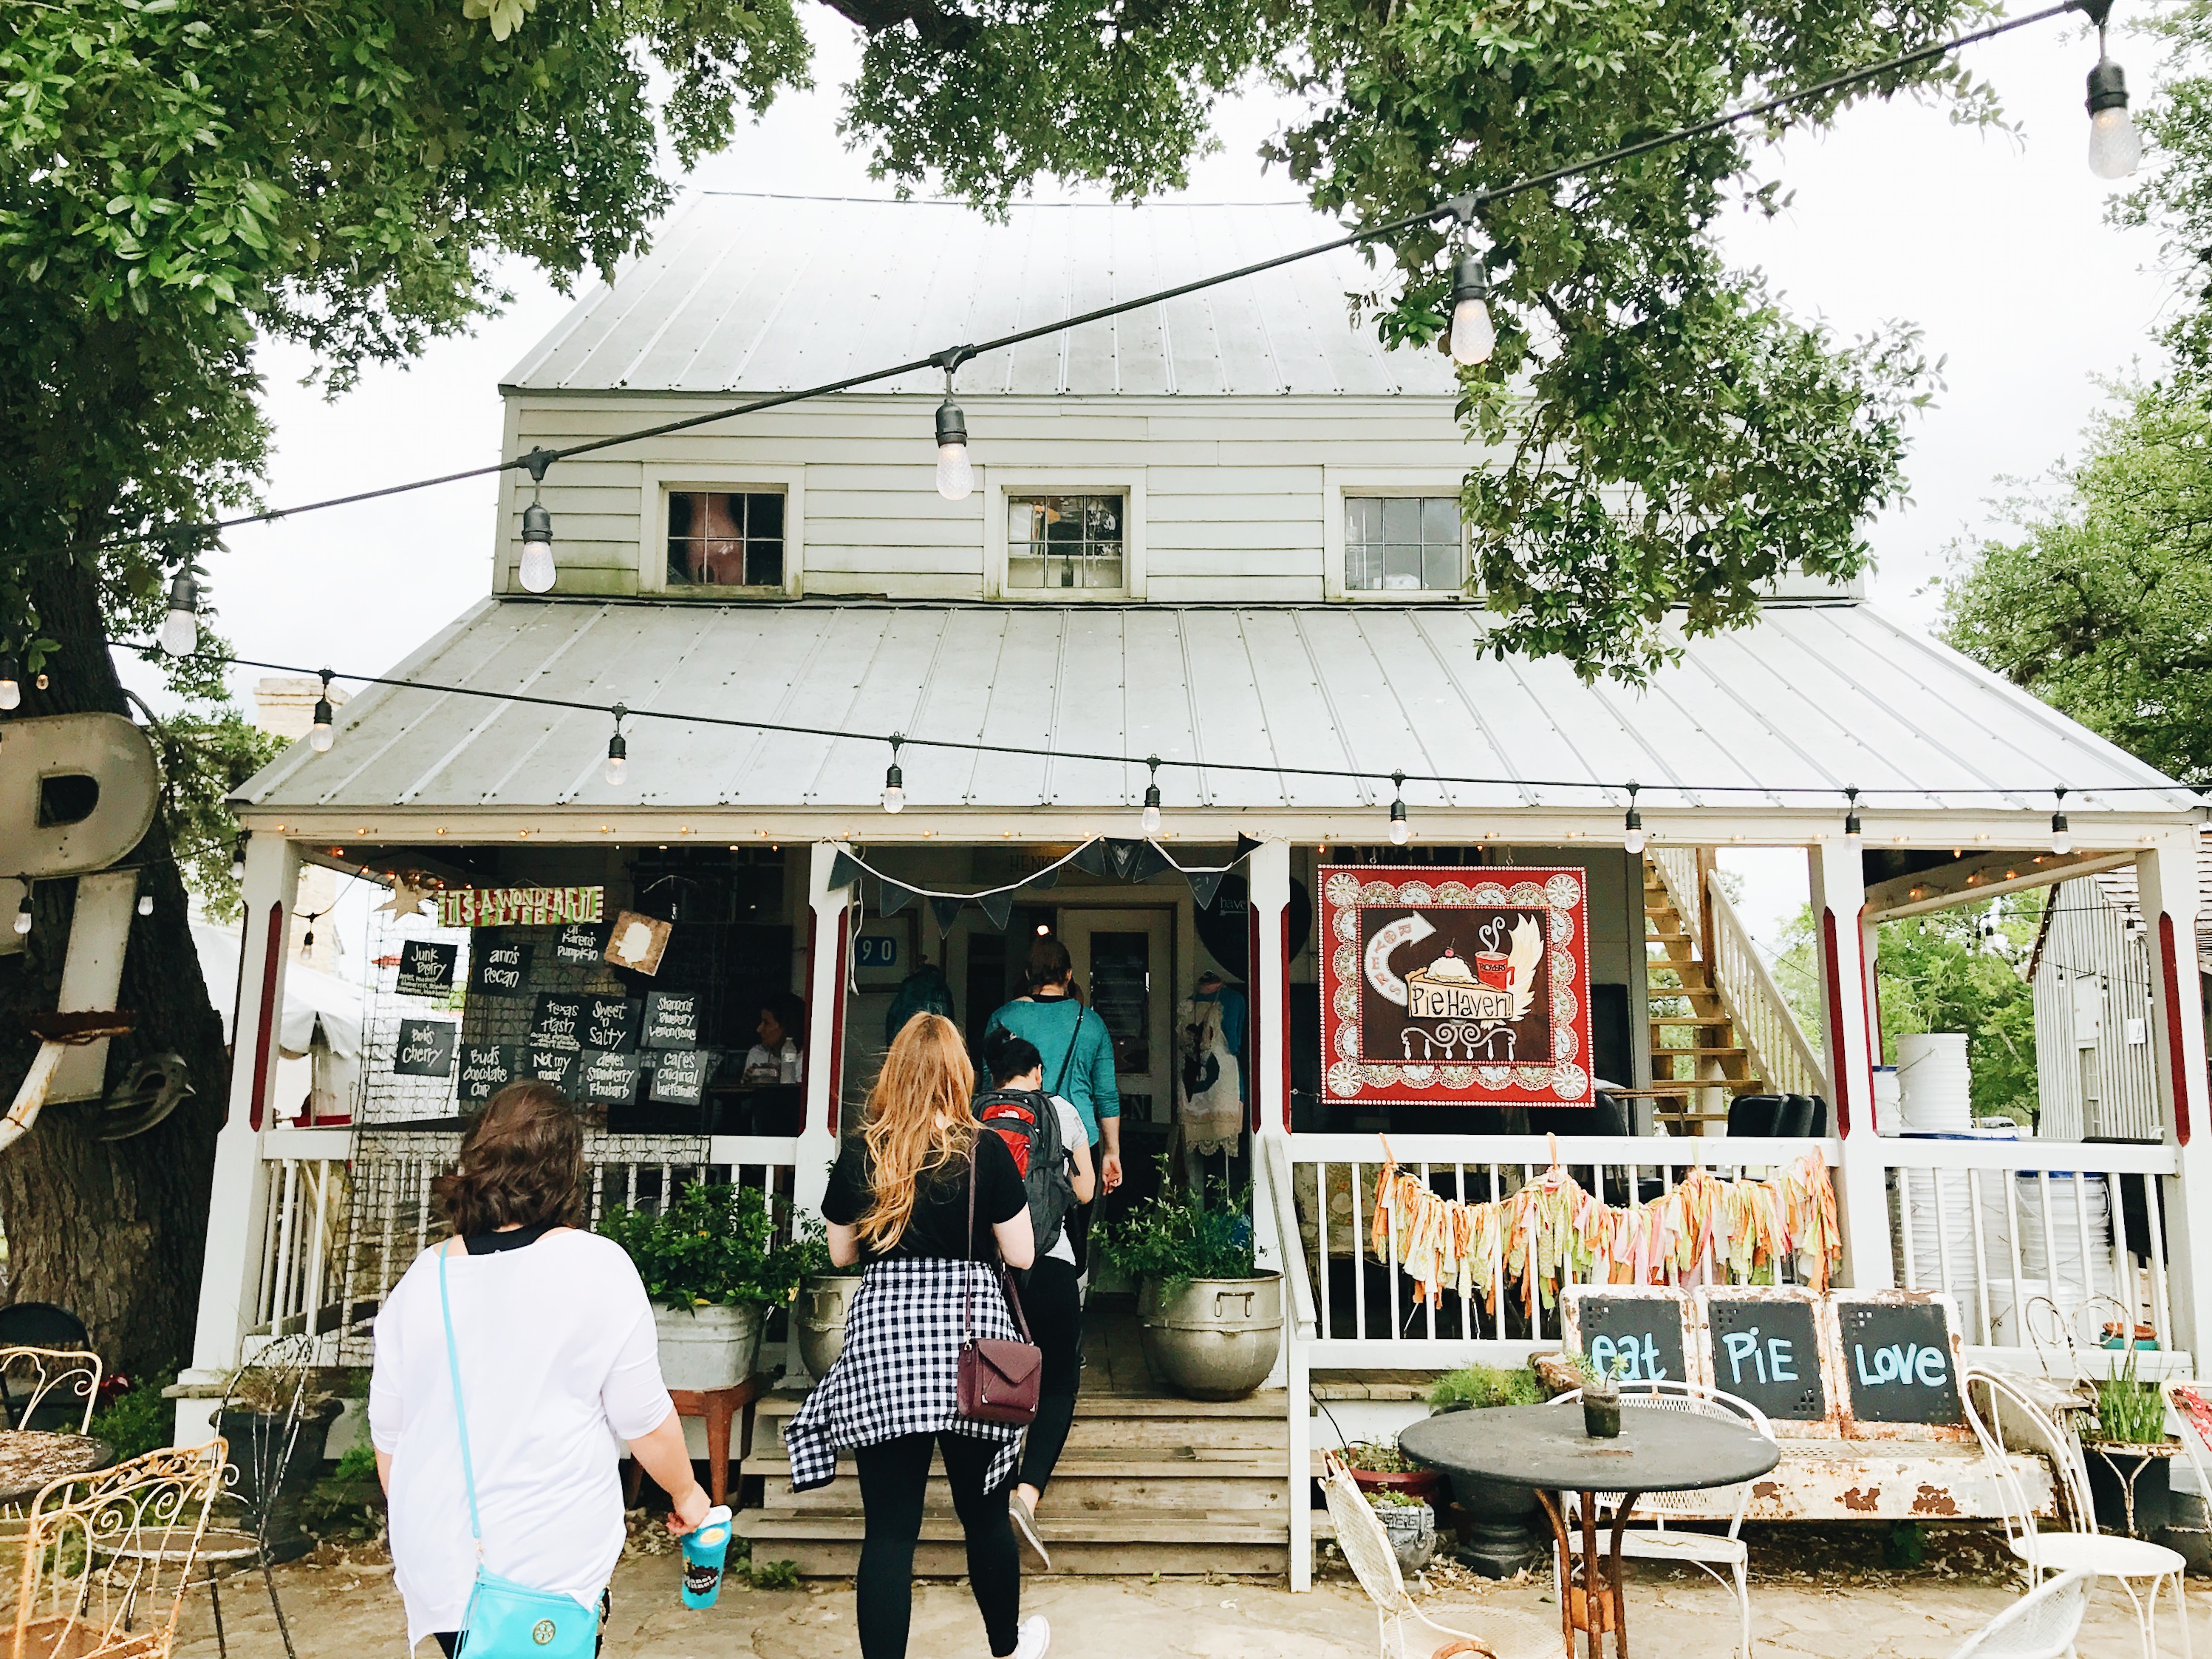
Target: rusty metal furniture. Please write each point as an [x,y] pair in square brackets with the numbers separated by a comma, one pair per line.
[45,1388]
[1706,1551]
[1366,1548]
[2003,1418]
[106,1556]
[2041,1625]
[1544,1446]
[721,1409]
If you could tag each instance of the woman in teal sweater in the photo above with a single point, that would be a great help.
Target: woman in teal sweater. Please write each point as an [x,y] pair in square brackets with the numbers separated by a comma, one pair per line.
[1075,1042]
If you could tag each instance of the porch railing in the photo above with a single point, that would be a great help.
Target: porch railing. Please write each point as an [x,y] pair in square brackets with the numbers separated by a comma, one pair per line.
[1779,1050]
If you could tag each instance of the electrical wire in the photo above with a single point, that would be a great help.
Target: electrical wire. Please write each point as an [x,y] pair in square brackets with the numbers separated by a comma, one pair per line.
[1458,207]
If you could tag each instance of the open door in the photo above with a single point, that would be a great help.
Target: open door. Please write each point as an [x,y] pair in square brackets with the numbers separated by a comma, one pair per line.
[1124,961]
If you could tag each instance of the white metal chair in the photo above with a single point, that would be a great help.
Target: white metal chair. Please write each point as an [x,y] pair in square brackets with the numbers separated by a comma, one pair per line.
[2041,1625]
[1706,1551]
[1366,1546]
[2005,1410]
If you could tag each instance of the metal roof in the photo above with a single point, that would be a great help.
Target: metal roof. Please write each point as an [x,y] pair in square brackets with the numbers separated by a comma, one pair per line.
[758,293]
[1808,698]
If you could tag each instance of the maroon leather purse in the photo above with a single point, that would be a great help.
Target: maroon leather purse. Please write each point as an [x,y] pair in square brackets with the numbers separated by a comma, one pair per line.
[996,1381]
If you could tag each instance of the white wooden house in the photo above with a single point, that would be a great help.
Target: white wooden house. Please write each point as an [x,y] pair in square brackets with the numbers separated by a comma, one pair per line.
[1220,529]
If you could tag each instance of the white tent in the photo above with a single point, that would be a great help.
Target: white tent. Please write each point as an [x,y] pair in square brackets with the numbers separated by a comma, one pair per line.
[319,1037]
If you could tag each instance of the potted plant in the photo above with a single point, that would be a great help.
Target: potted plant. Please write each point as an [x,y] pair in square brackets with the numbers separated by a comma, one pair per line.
[711,1266]
[1212,1323]
[1411,1524]
[276,1420]
[2128,1457]
[1377,1465]
[824,1297]
[1498,1539]
[1601,1401]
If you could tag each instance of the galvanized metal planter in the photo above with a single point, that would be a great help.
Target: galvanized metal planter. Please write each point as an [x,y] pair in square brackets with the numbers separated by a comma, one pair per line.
[824,1300]
[1215,1338]
[708,1347]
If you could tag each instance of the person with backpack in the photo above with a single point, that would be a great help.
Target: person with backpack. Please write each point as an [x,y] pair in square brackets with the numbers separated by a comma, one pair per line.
[1045,1135]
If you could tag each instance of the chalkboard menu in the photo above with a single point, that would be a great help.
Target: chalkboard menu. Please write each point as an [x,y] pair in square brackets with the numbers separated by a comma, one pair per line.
[1899,1365]
[499,965]
[1640,1335]
[558,1021]
[671,1019]
[610,1022]
[679,1075]
[426,968]
[488,1067]
[1764,1346]
[424,1047]
[610,1075]
[554,1066]
[579,945]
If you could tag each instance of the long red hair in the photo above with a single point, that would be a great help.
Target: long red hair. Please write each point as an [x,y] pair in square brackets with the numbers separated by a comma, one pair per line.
[921,1122]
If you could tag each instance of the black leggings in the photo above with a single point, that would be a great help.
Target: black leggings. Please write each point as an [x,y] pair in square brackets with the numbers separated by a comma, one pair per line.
[1055,1316]
[894,1477]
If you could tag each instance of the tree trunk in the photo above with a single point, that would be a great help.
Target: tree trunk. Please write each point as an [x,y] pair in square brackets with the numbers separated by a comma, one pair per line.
[113,1231]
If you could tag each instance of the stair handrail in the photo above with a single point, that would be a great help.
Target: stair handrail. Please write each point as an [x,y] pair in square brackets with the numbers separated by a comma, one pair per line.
[1763,1020]
[1303,1317]
[1678,873]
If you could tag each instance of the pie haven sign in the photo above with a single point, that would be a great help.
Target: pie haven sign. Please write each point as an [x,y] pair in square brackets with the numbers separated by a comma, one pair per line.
[1447,987]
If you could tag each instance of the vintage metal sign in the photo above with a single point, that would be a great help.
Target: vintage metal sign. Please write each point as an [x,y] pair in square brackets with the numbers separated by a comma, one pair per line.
[519,906]
[1455,987]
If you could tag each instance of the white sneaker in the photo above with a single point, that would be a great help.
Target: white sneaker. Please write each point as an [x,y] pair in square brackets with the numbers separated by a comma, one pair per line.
[1033,1639]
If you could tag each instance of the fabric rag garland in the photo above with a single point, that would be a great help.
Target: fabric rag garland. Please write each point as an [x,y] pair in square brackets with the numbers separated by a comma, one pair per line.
[1552,1227]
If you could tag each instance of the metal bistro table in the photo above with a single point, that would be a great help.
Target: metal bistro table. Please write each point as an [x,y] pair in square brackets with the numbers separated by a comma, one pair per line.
[1544,1446]
[31,1458]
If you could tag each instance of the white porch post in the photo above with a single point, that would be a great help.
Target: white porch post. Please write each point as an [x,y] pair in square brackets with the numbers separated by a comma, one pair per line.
[1846,959]
[2168,873]
[825,1035]
[230,1271]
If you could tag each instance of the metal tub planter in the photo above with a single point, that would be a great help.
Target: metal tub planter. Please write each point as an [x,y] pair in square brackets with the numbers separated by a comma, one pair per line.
[708,1346]
[824,1300]
[1213,1338]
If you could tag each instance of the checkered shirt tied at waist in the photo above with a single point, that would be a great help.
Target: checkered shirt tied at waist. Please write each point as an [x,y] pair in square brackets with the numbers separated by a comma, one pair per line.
[896,1373]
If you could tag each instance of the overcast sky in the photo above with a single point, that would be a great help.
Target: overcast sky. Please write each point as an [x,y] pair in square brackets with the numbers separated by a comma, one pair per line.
[1995,246]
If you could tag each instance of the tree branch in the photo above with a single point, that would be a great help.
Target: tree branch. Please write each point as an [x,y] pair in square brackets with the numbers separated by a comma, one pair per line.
[936,25]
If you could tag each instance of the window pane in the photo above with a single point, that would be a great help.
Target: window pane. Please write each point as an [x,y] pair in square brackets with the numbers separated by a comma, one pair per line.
[1066,542]
[1401,518]
[1362,519]
[763,562]
[1439,520]
[1440,565]
[764,516]
[1401,565]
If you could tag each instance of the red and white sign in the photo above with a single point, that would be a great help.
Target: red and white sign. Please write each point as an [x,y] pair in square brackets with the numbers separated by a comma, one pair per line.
[1455,987]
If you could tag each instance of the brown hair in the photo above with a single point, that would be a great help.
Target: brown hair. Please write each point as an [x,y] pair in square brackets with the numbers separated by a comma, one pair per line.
[522,1162]
[1050,964]
[920,1123]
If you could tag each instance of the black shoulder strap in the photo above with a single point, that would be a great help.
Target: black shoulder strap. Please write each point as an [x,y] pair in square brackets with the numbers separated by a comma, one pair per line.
[1068,1059]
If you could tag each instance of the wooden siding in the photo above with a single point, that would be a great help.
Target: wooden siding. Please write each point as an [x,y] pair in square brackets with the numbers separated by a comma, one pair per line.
[2091,981]
[1233,488]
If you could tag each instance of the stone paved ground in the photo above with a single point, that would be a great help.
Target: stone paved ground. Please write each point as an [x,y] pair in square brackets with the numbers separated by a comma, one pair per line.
[1813,1594]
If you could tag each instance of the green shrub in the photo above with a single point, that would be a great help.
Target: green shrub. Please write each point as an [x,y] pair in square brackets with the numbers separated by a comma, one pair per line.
[712,1246]
[1476,1386]
[138,1419]
[1378,1457]
[774,1575]
[1176,1236]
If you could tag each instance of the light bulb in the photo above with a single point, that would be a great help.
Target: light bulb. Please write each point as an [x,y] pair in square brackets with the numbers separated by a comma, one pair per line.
[1635,841]
[180,628]
[2115,146]
[23,913]
[2061,838]
[1401,831]
[12,688]
[617,760]
[1151,819]
[894,789]
[1853,835]
[537,573]
[319,735]
[238,864]
[956,476]
[145,904]
[1474,336]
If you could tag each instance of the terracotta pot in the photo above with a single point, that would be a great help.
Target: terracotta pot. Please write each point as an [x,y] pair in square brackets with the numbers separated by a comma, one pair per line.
[1428,1485]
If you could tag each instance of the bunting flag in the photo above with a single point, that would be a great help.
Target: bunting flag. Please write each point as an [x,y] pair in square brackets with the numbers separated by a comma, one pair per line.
[999,906]
[891,898]
[844,870]
[1204,884]
[1107,857]
[946,910]
[1090,858]
[1551,1230]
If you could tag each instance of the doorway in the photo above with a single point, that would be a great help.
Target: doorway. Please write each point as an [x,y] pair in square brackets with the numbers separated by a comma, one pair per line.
[1125,961]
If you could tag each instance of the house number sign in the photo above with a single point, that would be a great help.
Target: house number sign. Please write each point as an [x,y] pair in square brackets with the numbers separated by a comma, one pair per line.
[1456,986]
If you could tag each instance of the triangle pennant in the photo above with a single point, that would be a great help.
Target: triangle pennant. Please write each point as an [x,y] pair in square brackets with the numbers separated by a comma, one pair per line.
[1204,884]
[946,910]
[893,898]
[1149,862]
[1049,878]
[1092,858]
[1246,846]
[1121,858]
[999,906]
[844,870]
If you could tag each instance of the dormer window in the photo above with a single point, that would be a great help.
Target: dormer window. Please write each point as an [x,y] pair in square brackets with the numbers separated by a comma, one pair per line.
[1074,542]
[1403,544]
[718,539]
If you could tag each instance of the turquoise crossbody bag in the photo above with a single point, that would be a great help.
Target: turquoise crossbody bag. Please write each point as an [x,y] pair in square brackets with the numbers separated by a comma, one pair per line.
[505,1619]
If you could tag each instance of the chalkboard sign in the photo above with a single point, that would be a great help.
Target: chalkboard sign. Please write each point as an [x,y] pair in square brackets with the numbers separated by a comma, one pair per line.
[426,968]
[558,1021]
[579,945]
[499,965]
[671,1019]
[1899,1365]
[610,1075]
[610,1023]
[488,1067]
[424,1047]
[1641,1335]
[1764,1346]
[554,1066]
[679,1075]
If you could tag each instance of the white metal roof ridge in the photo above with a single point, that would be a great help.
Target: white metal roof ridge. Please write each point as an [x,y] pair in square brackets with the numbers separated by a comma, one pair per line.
[1779,706]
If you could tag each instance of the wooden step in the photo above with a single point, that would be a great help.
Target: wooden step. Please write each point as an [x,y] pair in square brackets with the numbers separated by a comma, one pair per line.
[1172,1544]
[1733,1049]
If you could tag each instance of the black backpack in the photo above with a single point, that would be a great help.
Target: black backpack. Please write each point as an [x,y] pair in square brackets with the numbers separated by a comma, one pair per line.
[1030,1125]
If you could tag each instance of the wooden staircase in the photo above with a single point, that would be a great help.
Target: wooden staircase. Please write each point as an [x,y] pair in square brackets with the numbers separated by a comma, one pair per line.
[1148,1483]
[1692,1038]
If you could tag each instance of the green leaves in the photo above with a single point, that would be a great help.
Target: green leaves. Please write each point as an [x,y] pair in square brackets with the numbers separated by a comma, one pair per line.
[711,1245]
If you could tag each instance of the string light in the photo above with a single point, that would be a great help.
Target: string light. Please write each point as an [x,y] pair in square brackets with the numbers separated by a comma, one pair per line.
[1473,335]
[617,750]
[2115,146]
[1633,840]
[1151,819]
[180,628]
[11,677]
[1401,831]
[23,913]
[1854,832]
[537,573]
[895,780]
[2062,836]
[956,476]
[319,735]
[238,860]
[145,895]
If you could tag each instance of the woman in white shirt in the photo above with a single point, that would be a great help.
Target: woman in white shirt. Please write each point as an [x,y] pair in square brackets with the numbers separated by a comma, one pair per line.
[1052,1294]
[557,1360]
[778,1056]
